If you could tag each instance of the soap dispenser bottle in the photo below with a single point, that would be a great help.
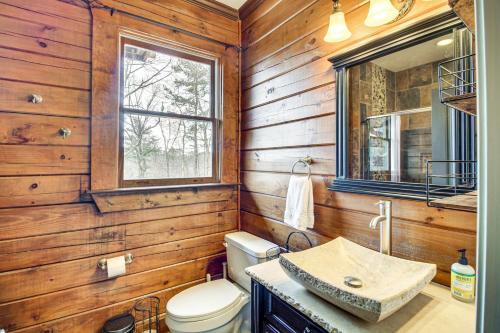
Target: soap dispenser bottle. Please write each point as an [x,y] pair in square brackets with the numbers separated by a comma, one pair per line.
[463,279]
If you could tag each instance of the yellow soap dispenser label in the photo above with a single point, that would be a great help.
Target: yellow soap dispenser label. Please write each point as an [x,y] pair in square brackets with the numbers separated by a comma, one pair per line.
[462,285]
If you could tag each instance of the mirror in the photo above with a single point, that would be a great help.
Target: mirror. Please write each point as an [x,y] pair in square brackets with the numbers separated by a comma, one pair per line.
[391,121]
[396,120]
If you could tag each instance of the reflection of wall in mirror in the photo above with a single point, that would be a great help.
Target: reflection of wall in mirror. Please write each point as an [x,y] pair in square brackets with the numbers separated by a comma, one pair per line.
[375,91]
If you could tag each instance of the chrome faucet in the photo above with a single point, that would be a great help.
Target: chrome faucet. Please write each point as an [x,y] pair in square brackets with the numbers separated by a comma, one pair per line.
[385,222]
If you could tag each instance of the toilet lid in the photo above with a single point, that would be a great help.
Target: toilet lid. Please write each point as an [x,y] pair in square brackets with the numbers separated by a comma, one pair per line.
[204,301]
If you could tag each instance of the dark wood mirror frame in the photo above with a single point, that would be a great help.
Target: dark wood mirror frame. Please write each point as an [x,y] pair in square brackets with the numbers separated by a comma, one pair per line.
[464,138]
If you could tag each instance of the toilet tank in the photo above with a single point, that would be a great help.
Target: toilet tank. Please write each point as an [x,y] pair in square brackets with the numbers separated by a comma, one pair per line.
[245,250]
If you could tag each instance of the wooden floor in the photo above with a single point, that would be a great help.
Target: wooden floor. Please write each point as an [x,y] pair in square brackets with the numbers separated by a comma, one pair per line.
[289,113]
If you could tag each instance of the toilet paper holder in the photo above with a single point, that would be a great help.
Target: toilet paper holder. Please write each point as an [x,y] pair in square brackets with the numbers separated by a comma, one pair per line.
[103,262]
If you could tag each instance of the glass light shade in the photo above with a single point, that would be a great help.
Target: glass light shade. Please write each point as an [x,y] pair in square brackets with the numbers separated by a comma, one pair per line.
[380,13]
[337,30]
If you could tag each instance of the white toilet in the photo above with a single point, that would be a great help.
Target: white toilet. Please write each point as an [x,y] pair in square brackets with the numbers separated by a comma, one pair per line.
[220,306]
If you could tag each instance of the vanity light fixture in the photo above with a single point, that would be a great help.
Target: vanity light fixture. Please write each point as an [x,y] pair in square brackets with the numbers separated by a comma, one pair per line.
[381,12]
[337,30]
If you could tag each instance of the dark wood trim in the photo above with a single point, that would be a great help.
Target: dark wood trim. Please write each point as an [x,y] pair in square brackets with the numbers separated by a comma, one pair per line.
[342,123]
[416,34]
[248,7]
[218,8]
[257,303]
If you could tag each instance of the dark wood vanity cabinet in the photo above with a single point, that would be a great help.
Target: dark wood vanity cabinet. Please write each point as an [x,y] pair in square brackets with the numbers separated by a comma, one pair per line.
[272,315]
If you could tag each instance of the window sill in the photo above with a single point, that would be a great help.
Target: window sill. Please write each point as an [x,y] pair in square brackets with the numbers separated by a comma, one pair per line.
[136,198]
[153,189]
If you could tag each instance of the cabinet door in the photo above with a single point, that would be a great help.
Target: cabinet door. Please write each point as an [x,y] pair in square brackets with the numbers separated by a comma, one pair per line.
[272,315]
[286,319]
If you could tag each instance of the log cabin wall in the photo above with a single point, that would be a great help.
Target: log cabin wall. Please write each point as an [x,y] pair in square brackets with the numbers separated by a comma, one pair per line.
[288,112]
[51,234]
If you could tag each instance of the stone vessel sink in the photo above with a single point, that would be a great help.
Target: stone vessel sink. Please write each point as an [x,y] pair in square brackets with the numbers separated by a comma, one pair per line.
[366,283]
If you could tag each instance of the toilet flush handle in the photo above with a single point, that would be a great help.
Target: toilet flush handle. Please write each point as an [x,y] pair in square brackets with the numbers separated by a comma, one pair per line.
[224,243]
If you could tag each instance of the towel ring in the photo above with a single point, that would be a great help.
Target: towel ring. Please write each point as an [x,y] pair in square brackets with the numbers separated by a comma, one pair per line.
[307,163]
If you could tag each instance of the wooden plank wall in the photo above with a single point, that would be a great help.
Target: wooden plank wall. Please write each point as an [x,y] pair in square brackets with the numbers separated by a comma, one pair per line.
[50,236]
[288,112]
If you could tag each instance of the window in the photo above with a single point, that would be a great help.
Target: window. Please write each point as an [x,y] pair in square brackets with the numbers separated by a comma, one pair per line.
[168,114]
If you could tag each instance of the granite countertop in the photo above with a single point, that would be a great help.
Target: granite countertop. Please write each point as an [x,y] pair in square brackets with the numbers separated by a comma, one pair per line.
[433,310]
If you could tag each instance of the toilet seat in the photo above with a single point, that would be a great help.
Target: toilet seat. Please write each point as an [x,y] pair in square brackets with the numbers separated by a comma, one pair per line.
[205,306]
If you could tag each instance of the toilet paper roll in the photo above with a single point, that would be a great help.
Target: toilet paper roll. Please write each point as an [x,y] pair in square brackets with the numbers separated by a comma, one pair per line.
[116,266]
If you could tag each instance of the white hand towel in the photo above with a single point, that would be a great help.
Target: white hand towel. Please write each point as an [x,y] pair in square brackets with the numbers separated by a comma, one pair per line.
[299,212]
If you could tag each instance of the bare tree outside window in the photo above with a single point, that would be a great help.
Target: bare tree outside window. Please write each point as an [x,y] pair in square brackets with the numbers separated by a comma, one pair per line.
[169,125]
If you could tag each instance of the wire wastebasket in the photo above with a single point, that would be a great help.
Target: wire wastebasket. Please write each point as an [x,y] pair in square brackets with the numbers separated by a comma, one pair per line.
[147,315]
